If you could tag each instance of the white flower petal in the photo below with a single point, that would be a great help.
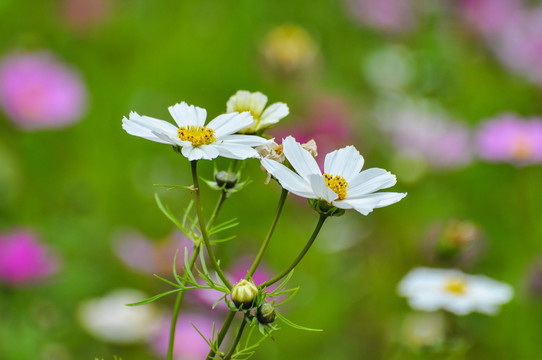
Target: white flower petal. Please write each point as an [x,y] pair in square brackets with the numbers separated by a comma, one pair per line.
[288,179]
[244,100]
[274,113]
[236,151]
[320,189]
[227,124]
[300,159]
[205,152]
[427,289]
[249,140]
[368,203]
[188,115]
[362,184]
[147,127]
[345,162]
[168,139]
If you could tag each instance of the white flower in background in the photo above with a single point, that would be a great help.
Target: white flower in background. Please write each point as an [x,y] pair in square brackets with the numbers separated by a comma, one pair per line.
[111,320]
[255,103]
[341,185]
[197,140]
[449,289]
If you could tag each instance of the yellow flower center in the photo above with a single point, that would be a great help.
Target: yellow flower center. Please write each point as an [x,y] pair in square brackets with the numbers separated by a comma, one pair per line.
[197,135]
[338,184]
[523,148]
[456,286]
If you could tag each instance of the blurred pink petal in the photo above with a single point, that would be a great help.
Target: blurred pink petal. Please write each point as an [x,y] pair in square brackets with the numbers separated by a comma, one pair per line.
[189,345]
[509,138]
[327,122]
[151,257]
[37,91]
[394,16]
[23,259]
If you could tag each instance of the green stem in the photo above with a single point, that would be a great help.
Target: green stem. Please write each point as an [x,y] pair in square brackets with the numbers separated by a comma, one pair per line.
[222,334]
[265,243]
[180,294]
[177,307]
[321,220]
[236,341]
[203,228]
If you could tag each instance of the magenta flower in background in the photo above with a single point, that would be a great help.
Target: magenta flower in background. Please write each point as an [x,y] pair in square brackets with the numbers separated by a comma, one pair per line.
[84,14]
[490,16]
[394,16]
[422,130]
[327,123]
[509,138]
[37,91]
[519,45]
[151,257]
[188,345]
[24,259]
[237,273]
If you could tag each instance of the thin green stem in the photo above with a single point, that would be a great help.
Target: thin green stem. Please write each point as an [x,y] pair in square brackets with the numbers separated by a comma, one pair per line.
[203,229]
[222,333]
[265,243]
[180,294]
[321,220]
[177,306]
[236,341]
[223,197]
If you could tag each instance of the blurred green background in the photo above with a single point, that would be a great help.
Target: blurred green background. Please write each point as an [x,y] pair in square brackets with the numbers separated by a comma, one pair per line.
[80,185]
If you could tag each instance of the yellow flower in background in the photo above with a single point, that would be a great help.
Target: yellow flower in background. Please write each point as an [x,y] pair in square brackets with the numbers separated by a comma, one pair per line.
[289,48]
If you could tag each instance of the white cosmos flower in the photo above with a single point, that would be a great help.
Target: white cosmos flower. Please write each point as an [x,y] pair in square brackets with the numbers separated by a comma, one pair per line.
[341,185]
[255,102]
[109,318]
[449,289]
[197,140]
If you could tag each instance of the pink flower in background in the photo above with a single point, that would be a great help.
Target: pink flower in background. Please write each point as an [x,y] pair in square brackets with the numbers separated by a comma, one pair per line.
[490,16]
[151,257]
[423,131]
[519,45]
[37,91]
[389,15]
[509,138]
[23,259]
[327,123]
[235,274]
[189,345]
[84,14]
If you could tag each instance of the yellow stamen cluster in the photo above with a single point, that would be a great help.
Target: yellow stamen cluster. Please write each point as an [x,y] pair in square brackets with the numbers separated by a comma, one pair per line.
[456,286]
[338,184]
[278,150]
[197,135]
[523,149]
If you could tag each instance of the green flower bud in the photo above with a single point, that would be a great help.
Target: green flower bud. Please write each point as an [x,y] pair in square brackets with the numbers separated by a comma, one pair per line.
[227,179]
[322,207]
[266,313]
[243,294]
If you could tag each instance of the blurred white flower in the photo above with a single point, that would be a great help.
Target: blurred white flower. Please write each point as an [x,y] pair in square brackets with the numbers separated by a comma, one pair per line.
[197,140]
[341,185]
[255,102]
[111,320]
[430,289]
[423,329]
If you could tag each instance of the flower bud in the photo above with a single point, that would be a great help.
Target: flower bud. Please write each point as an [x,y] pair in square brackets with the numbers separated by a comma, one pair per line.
[457,243]
[322,207]
[266,313]
[227,179]
[243,294]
